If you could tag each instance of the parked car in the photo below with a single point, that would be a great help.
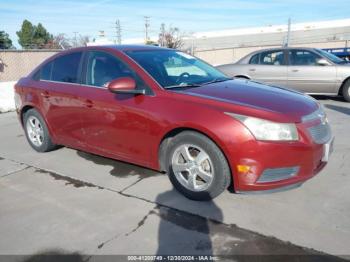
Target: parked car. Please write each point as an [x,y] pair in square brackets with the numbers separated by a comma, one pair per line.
[309,70]
[166,110]
[342,52]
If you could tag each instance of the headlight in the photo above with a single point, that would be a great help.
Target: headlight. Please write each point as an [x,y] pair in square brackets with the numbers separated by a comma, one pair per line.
[267,130]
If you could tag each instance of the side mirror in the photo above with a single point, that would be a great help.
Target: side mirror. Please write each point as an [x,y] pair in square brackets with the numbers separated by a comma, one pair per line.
[124,85]
[322,62]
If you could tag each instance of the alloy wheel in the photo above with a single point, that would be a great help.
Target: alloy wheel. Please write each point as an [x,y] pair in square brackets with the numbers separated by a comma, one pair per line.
[192,167]
[35,131]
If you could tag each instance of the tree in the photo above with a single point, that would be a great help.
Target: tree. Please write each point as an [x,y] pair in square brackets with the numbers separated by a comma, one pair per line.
[33,37]
[41,37]
[5,41]
[59,41]
[150,42]
[83,40]
[171,37]
[25,35]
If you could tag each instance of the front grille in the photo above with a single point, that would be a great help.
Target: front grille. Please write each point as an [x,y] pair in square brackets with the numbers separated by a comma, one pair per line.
[277,174]
[321,133]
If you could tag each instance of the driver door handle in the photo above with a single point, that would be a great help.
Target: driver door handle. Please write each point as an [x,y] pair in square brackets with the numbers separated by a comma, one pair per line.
[252,69]
[295,70]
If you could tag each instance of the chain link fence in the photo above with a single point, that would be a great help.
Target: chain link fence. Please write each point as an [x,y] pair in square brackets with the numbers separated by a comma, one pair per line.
[15,64]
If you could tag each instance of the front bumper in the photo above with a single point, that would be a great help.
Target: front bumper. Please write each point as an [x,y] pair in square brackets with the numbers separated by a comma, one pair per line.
[279,165]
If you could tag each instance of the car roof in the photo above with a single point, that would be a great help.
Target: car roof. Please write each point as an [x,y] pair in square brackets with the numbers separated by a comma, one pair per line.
[137,47]
[282,48]
[121,47]
[243,59]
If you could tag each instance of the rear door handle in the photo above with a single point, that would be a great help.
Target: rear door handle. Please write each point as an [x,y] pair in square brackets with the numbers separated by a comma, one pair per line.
[45,94]
[295,70]
[252,69]
[88,103]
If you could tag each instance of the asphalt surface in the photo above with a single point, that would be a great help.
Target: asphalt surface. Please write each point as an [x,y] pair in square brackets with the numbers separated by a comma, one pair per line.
[71,202]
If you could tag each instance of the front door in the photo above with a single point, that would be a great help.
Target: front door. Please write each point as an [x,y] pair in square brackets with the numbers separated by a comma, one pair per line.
[114,124]
[306,75]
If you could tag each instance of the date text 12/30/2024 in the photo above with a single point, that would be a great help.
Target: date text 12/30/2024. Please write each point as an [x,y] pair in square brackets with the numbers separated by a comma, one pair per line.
[173,258]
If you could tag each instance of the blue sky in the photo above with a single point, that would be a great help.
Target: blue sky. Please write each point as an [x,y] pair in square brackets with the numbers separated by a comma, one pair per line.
[88,17]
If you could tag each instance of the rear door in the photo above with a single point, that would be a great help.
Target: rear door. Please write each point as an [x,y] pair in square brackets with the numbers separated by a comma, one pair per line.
[306,75]
[59,84]
[269,67]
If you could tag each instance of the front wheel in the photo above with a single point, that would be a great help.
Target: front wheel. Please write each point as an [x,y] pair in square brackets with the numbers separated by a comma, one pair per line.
[196,166]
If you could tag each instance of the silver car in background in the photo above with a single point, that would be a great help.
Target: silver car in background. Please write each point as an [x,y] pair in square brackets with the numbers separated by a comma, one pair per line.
[309,70]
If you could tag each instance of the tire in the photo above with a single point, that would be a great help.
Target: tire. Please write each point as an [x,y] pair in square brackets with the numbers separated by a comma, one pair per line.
[196,166]
[36,131]
[346,91]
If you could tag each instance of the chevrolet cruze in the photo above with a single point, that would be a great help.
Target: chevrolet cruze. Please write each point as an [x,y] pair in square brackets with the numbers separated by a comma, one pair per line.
[169,111]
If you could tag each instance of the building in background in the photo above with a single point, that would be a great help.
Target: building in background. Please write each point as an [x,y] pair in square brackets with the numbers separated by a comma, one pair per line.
[227,46]
[101,40]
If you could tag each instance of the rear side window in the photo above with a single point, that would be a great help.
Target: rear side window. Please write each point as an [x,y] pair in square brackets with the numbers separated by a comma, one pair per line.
[65,68]
[45,72]
[272,58]
[254,60]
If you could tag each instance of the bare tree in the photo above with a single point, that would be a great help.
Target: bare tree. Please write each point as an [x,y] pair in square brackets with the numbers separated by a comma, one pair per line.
[60,41]
[171,37]
[83,40]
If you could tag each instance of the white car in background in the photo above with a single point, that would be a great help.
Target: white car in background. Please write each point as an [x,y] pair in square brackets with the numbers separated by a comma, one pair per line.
[309,70]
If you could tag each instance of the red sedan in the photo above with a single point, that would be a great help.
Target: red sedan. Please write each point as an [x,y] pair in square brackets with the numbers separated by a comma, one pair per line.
[169,111]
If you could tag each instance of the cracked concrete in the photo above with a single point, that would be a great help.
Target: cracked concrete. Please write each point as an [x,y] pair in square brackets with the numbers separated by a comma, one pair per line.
[80,203]
[8,167]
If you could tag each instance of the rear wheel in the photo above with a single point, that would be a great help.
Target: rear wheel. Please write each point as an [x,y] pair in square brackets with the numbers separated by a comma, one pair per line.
[196,166]
[346,91]
[36,131]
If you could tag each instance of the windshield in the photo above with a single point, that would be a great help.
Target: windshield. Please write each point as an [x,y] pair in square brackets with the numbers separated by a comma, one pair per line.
[171,68]
[331,57]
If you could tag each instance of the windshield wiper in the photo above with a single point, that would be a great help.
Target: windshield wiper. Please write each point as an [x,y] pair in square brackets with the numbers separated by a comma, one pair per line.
[216,80]
[182,86]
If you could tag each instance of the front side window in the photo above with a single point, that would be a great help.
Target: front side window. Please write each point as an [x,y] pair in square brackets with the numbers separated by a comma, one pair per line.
[303,58]
[103,68]
[173,68]
[272,58]
[65,68]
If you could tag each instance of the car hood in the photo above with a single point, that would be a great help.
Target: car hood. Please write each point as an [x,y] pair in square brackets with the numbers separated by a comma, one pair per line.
[259,97]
